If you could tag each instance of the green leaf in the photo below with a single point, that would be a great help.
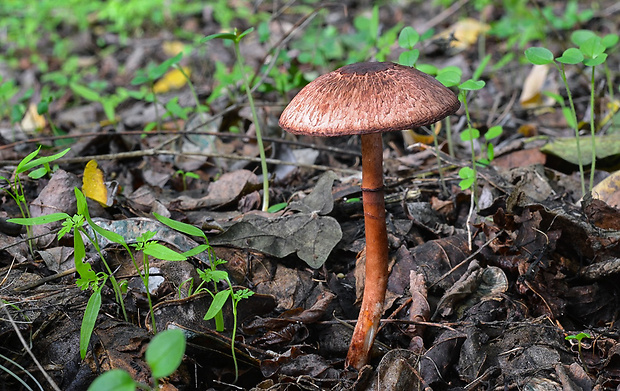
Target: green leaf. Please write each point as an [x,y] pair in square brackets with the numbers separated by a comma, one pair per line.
[592,47]
[470,134]
[610,40]
[539,56]
[50,218]
[472,85]
[449,79]
[592,62]
[85,92]
[240,36]
[409,57]
[42,160]
[277,207]
[26,160]
[109,108]
[225,36]
[179,226]
[466,183]
[159,251]
[579,336]
[216,305]
[87,275]
[114,380]
[158,71]
[493,132]
[196,250]
[82,205]
[408,38]
[481,67]
[88,322]
[165,352]
[38,173]
[466,172]
[140,79]
[42,107]
[427,68]
[173,107]
[373,29]
[569,116]
[242,294]
[578,37]
[571,56]
[490,153]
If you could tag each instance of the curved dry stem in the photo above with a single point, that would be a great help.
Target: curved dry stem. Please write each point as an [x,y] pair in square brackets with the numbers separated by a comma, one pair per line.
[376,252]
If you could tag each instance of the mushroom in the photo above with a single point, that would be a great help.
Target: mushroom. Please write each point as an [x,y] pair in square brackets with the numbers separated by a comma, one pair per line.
[369,98]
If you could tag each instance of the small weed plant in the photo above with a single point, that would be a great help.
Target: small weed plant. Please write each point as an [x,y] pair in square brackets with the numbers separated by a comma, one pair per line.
[13,187]
[214,276]
[591,52]
[235,37]
[88,279]
[163,355]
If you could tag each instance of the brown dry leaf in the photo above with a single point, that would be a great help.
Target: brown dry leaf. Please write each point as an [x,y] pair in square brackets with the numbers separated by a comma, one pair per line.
[227,189]
[465,32]
[602,215]
[531,94]
[520,158]
[608,190]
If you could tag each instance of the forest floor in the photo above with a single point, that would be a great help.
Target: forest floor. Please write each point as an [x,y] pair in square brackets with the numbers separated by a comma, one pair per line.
[517,290]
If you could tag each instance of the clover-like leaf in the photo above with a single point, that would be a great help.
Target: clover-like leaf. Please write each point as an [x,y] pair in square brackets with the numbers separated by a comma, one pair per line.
[539,55]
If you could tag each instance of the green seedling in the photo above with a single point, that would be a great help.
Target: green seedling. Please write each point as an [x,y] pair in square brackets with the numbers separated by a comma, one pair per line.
[590,52]
[407,39]
[88,278]
[38,168]
[163,355]
[184,175]
[579,337]
[236,36]
[214,276]
[470,134]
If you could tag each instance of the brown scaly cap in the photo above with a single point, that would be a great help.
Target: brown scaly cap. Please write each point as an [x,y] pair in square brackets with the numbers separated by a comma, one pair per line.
[368,97]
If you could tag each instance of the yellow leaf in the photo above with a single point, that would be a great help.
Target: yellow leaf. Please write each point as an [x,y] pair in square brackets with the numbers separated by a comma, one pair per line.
[172,48]
[465,33]
[93,185]
[32,121]
[172,80]
[411,137]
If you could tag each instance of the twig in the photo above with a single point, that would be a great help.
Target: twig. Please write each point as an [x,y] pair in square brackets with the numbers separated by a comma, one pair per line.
[155,152]
[464,261]
[176,133]
[43,280]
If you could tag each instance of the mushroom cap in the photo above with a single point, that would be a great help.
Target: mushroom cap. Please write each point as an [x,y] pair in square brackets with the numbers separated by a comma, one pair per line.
[368,97]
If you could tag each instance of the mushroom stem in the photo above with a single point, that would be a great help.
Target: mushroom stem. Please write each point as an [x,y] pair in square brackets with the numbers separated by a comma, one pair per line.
[376,252]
